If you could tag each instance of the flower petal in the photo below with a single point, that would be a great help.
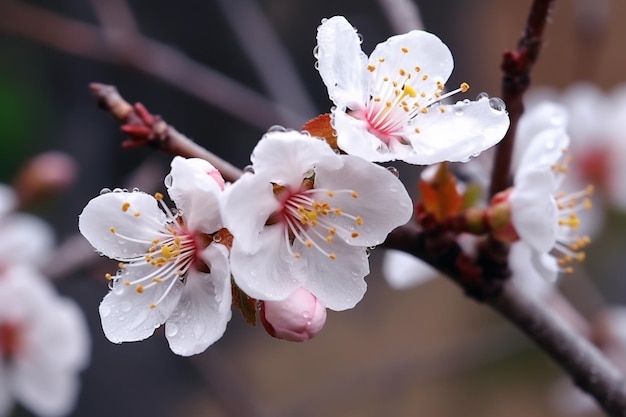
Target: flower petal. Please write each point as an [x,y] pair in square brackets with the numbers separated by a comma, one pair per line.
[381,200]
[285,157]
[341,63]
[26,239]
[463,130]
[126,314]
[106,211]
[196,193]
[338,283]
[203,311]
[421,55]
[242,218]
[534,212]
[402,270]
[266,274]
[542,152]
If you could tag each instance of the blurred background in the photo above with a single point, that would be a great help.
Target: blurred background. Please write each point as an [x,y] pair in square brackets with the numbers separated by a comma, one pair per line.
[426,351]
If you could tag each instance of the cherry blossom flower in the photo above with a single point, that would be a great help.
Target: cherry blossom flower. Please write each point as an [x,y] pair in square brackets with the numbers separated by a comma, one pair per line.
[172,269]
[44,343]
[389,106]
[544,218]
[305,218]
[298,318]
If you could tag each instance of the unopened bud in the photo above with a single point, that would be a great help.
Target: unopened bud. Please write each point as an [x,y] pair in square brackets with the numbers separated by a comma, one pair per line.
[298,318]
[499,218]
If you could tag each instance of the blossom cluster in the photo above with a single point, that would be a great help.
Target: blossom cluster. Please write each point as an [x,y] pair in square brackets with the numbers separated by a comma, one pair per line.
[291,235]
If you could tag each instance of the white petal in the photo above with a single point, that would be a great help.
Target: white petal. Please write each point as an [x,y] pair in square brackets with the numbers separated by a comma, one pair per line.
[45,390]
[285,157]
[402,270]
[246,206]
[542,151]
[341,63]
[383,203]
[533,210]
[266,274]
[196,193]
[8,200]
[524,273]
[464,130]
[203,311]
[424,51]
[126,314]
[26,239]
[354,139]
[105,211]
[534,122]
[546,265]
[339,283]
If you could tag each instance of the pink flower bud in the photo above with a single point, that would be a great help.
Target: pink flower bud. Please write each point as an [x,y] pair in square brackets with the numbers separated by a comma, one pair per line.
[297,319]
[45,175]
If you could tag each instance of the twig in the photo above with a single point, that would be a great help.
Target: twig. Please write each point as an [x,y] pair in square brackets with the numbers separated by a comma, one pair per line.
[150,57]
[589,369]
[516,66]
[403,15]
[145,129]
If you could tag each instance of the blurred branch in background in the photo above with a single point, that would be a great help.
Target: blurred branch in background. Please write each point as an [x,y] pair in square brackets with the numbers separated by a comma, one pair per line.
[145,55]
[403,15]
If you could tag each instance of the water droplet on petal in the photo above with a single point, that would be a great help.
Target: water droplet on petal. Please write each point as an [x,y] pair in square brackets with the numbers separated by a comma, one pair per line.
[394,171]
[135,190]
[249,168]
[105,191]
[105,311]
[168,180]
[360,37]
[276,128]
[458,111]
[497,104]
[316,51]
[482,95]
[171,330]
[217,238]
[126,306]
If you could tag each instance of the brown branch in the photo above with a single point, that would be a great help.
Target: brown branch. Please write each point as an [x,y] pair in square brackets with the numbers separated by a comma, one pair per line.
[150,57]
[403,15]
[590,370]
[516,66]
[145,129]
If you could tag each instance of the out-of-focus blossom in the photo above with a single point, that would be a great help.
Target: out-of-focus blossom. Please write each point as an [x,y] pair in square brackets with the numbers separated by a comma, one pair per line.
[45,175]
[44,343]
[172,270]
[389,106]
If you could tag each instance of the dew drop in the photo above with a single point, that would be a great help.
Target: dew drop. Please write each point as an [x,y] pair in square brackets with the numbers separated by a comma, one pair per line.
[324,20]
[497,104]
[276,128]
[168,180]
[105,191]
[135,190]
[316,65]
[360,37]
[126,306]
[171,330]
[394,171]
[458,111]
[249,168]
[482,95]
[316,51]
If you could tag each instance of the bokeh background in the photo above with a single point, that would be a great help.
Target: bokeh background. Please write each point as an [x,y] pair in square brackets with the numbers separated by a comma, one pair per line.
[426,351]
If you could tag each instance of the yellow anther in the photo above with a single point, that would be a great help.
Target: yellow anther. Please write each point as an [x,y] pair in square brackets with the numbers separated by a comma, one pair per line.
[437,95]
[405,50]
[394,83]
[108,276]
[158,196]
[572,221]
[424,77]
[127,283]
[355,234]
[423,95]
[157,280]
[386,79]
[330,193]
[166,251]
[464,87]
[409,91]
[152,249]
[417,130]
[402,72]
[125,206]
[155,241]
[381,59]
[359,220]
[332,231]
[121,265]
[355,194]
[371,68]
[338,211]
[297,255]
[139,288]
[332,256]
[377,99]
[147,258]
[329,239]
[152,305]
[441,110]
[308,243]
[388,104]
[417,69]
[112,229]
[137,214]
[424,110]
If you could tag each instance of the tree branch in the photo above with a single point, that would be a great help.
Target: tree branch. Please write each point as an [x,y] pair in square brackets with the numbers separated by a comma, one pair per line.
[516,66]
